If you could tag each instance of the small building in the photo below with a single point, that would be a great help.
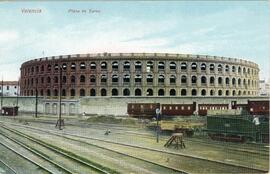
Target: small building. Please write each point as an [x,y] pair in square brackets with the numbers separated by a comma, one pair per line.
[10,88]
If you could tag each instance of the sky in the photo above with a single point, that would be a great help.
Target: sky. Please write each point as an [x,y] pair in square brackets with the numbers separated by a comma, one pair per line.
[238,29]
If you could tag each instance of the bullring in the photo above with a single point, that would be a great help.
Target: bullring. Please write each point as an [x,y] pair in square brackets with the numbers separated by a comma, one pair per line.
[139,74]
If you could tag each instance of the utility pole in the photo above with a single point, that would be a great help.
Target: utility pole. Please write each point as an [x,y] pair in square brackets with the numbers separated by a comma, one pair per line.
[17,99]
[2,87]
[157,129]
[36,110]
[60,121]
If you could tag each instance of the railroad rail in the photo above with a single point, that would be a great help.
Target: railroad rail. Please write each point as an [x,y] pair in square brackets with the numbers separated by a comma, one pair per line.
[7,166]
[191,157]
[163,166]
[23,156]
[99,169]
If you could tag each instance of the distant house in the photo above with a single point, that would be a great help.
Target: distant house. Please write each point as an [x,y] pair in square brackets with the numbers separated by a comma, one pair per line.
[264,88]
[10,88]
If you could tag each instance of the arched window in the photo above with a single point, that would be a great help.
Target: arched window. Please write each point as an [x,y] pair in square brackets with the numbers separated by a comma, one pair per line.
[37,69]
[212,92]
[114,78]
[161,65]
[239,70]
[41,92]
[73,79]
[183,66]
[55,92]
[219,68]
[49,67]
[138,66]
[82,66]
[194,92]
[48,92]
[56,67]
[183,92]
[193,79]
[63,92]
[233,69]
[161,92]
[172,92]
[126,92]
[172,66]
[92,79]
[48,80]
[212,80]
[103,65]
[149,78]
[193,66]
[161,79]
[212,67]
[73,66]
[114,92]
[172,79]
[203,80]
[149,66]
[92,92]
[219,92]
[203,92]
[64,66]
[55,79]
[227,69]
[82,92]
[138,92]
[103,78]
[138,78]
[103,92]
[239,93]
[183,79]
[64,79]
[233,81]
[239,82]
[42,68]
[227,92]
[203,67]
[227,81]
[82,79]
[126,65]
[220,80]
[126,78]
[149,92]
[72,92]
[233,93]
[93,65]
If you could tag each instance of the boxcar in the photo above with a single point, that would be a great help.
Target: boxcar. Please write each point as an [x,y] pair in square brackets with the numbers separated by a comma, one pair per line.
[258,107]
[177,109]
[238,128]
[202,108]
[147,110]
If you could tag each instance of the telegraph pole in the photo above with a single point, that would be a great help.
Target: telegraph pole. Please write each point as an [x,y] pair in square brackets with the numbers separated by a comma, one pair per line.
[2,87]
[60,121]
[36,110]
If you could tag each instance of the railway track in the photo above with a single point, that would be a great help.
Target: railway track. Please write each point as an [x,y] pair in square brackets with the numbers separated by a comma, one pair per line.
[108,149]
[10,169]
[217,164]
[233,147]
[61,154]
[44,169]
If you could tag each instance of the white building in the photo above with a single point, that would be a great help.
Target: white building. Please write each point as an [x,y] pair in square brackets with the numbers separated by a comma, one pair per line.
[264,88]
[10,88]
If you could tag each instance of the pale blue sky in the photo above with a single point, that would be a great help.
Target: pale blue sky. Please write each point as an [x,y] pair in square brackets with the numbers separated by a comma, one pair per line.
[231,29]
